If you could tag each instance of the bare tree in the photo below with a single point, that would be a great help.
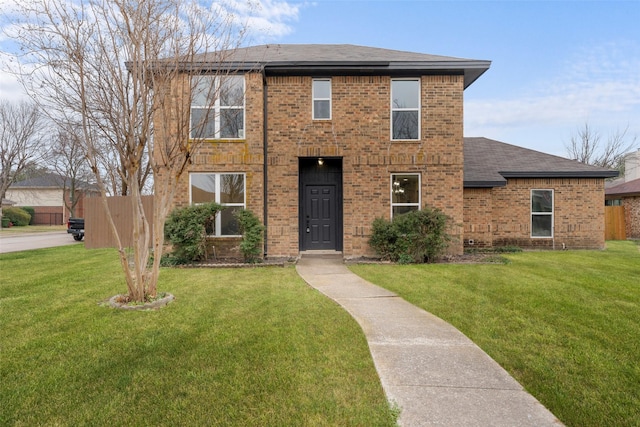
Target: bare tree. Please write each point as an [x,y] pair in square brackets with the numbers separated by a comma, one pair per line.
[120,71]
[67,158]
[587,146]
[20,144]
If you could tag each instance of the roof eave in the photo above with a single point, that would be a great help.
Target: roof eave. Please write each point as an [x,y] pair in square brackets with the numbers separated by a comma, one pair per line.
[623,194]
[484,184]
[471,70]
[560,174]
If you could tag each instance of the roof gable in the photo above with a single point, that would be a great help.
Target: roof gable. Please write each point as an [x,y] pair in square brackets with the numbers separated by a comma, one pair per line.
[488,163]
[330,59]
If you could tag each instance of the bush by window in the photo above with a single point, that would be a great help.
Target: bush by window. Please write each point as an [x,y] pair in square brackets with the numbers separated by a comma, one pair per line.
[414,237]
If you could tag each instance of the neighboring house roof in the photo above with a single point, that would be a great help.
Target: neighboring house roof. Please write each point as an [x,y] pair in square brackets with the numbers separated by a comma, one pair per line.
[625,189]
[339,59]
[488,163]
[51,180]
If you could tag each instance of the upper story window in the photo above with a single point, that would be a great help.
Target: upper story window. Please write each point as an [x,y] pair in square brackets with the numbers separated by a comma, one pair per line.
[405,109]
[217,107]
[321,99]
[227,189]
[405,193]
[541,213]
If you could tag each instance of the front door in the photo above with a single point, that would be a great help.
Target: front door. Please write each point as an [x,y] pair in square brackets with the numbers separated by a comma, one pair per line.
[320,207]
[319,217]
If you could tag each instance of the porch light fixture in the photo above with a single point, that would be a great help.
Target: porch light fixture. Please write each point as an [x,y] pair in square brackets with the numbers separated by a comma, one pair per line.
[320,161]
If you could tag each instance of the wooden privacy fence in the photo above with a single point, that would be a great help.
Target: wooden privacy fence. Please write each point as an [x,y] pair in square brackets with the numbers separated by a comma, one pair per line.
[47,218]
[97,231]
[614,225]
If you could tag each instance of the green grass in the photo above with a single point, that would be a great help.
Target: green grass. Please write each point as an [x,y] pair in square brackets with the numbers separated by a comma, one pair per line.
[237,347]
[565,324]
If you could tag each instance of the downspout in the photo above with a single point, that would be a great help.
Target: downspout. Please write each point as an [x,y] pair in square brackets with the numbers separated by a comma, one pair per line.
[265,208]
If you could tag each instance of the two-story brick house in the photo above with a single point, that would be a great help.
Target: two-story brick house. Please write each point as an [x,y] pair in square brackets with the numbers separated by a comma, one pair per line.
[319,140]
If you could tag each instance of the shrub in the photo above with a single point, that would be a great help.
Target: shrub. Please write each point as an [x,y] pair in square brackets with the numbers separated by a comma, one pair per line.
[185,229]
[252,232]
[414,237]
[31,211]
[19,217]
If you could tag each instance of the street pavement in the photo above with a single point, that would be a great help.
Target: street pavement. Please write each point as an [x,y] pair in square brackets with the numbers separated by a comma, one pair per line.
[29,241]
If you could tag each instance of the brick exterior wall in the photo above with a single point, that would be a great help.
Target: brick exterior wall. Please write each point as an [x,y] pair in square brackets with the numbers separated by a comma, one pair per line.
[241,156]
[359,134]
[632,216]
[500,216]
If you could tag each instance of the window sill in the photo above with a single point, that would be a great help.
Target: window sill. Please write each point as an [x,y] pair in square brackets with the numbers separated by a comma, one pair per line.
[223,140]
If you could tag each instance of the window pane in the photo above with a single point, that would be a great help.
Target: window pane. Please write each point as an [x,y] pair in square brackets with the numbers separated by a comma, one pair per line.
[232,123]
[541,225]
[232,91]
[322,89]
[399,210]
[232,188]
[405,93]
[203,91]
[203,124]
[321,109]
[405,189]
[229,223]
[203,188]
[541,201]
[405,125]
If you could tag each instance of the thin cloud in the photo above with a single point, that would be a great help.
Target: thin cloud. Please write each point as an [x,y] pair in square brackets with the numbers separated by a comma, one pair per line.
[266,18]
[602,83]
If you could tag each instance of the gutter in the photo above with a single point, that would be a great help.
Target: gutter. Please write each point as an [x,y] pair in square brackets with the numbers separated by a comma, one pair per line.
[561,174]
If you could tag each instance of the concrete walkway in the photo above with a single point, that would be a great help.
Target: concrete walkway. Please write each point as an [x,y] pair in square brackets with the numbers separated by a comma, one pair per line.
[434,373]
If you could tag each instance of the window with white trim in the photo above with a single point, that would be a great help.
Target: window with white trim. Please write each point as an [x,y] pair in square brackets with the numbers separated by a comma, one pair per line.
[321,93]
[227,189]
[405,193]
[541,213]
[405,109]
[217,107]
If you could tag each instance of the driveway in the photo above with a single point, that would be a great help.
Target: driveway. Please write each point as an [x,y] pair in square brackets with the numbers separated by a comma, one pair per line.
[28,241]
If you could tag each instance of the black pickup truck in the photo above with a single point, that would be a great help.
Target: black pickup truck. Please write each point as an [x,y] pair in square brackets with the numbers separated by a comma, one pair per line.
[75,226]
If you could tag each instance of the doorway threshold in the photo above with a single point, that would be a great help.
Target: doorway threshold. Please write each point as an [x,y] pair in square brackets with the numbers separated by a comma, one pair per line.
[313,253]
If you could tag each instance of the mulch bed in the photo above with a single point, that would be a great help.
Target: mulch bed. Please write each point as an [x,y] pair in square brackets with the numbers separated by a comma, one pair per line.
[467,258]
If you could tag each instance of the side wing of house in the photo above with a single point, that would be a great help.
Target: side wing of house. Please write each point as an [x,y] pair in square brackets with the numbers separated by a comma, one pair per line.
[519,197]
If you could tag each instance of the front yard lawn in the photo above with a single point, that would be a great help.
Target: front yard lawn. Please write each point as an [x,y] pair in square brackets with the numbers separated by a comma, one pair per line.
[565,324]
[238,347]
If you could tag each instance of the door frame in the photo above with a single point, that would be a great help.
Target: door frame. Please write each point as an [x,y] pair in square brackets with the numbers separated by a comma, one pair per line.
[311,172]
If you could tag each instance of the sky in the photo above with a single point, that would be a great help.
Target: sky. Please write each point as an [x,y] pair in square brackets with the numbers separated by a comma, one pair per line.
[556,65]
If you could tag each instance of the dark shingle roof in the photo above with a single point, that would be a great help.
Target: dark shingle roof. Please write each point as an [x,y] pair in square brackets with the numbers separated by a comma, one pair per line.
[51,180]
[629,187]
[488,163]
[330,59]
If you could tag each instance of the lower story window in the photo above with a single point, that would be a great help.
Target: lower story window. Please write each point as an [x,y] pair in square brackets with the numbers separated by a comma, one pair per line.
[405,193]
[541,213]
[227,189]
